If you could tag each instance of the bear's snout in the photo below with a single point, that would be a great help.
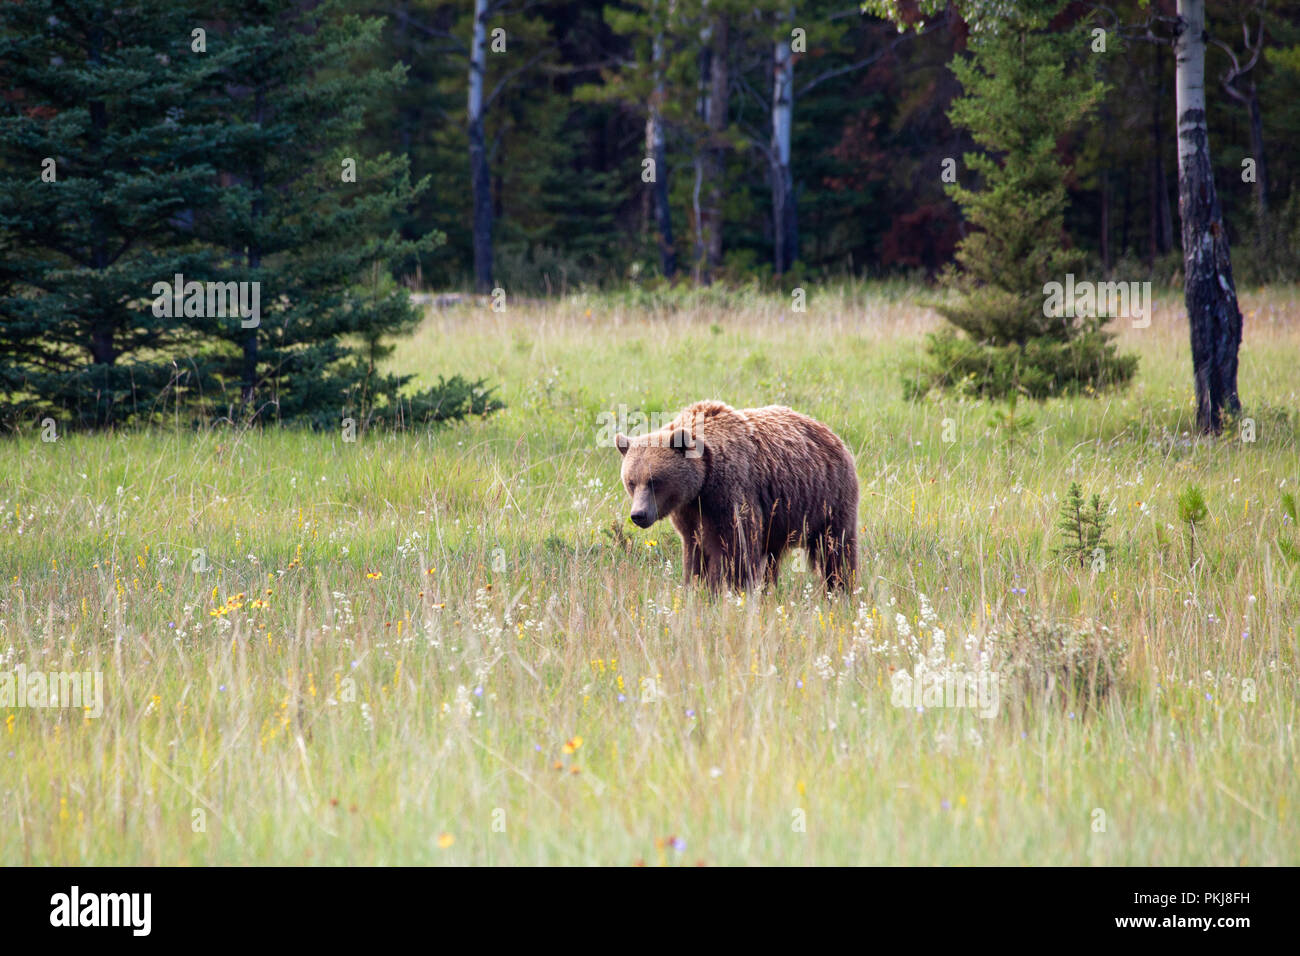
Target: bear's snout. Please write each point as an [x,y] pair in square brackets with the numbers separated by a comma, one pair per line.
[642,519]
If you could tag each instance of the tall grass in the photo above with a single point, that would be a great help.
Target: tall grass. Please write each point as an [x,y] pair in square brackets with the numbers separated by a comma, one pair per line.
[453,647]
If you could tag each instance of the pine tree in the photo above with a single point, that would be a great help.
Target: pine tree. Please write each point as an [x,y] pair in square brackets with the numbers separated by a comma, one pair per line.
[1021,100]
[1083,527]
[305,212]
[100,162]
[159,145]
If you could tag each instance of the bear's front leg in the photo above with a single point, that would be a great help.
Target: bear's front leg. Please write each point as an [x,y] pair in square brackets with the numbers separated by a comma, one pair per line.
[713,557]
[693,556]
[692,559]
[751,564]
[743,562]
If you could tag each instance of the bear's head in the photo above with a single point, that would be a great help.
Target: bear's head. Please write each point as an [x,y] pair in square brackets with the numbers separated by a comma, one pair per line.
[661,471]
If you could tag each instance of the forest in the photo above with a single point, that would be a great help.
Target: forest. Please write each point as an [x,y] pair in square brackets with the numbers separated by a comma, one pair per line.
[339,156]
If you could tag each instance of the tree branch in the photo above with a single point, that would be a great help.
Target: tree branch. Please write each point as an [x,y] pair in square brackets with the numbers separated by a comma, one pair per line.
[501,84]
[853,67]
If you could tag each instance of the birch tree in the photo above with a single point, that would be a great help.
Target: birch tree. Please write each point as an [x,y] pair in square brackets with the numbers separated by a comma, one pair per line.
[524,35]
[785,227]
[656,152]
[795,26]
[479,173]
[1208,288]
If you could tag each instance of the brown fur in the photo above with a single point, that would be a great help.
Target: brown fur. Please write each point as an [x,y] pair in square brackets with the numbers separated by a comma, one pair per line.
[743,485]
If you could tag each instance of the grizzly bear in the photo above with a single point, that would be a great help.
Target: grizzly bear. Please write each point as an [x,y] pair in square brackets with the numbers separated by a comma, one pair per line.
[743,485]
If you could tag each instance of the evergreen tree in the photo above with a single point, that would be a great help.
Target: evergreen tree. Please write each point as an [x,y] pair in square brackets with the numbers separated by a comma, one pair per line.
[159,146]
[306,213]
[1020,102]
[100,160]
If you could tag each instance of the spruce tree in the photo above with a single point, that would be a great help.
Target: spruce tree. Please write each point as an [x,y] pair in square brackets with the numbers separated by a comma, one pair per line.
[1024,91]
[99,163]
[307,214]
[219,145]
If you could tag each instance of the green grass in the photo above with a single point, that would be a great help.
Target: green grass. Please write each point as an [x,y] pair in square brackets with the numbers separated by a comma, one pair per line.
[342,722]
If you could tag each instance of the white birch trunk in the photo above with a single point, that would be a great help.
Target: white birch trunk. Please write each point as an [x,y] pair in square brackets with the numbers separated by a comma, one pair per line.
[480,179]
[782,181]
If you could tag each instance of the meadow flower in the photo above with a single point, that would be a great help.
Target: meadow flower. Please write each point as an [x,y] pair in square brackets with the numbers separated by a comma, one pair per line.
[445,840]
[463,705]
[822,665]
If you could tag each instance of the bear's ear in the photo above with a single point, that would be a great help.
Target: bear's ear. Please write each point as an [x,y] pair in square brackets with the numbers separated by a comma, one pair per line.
[684,442]
[621,443]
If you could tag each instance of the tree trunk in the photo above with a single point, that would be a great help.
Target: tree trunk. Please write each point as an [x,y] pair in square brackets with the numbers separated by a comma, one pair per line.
[1257,150]
[248,387]
[480,179]
[1105,221]
[654,144]
[101,342]
[712,108]
[101,334]
[699,267]
[785,229]
[1162,220]
[103,348]
[718,85]
[1127,211]
[1208,289]
[1155,165]
[1251,99]
[699,270]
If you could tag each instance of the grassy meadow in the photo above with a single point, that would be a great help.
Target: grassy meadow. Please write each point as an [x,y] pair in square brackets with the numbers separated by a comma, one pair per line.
[453,647]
